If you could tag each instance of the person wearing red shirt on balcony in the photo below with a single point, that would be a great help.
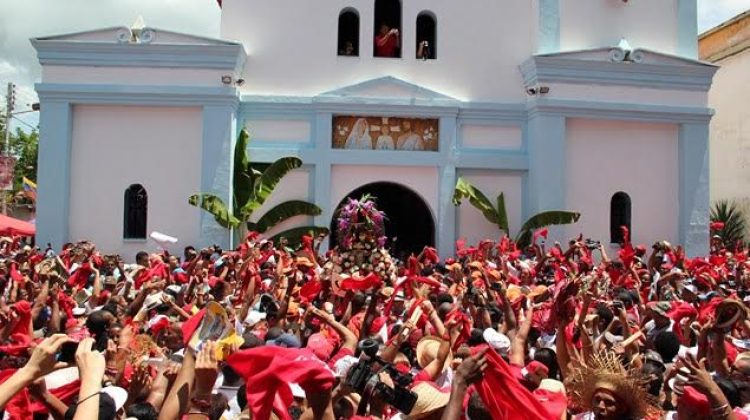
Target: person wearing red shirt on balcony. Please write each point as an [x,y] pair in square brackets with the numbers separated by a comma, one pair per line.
[387,42]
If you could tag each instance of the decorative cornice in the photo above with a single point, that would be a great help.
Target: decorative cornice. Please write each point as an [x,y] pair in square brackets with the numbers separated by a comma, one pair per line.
[619,111]
[618,72]
[138,95]
[122,52]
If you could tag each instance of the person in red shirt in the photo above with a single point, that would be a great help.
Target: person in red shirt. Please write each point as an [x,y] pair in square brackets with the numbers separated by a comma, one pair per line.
[387,42]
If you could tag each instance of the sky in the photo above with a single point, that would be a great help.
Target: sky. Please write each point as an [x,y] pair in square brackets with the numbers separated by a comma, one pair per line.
[24,19]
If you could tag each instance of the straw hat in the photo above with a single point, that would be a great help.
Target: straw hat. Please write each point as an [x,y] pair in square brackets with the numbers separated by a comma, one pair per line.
[605,372]
[304,261]
[729,312]
[427,350]
[429,400]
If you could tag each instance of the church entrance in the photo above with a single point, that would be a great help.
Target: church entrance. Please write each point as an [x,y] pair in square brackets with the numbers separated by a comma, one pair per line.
[408,224]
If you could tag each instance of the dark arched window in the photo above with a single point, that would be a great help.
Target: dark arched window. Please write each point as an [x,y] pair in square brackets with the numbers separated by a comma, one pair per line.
[136,210]
[619,216]
[348,32]
[387,28]
[426,36]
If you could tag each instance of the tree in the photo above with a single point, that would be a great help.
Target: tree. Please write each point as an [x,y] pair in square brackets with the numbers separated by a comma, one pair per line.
[252,187]
[732,222]
[497,215]
[25,147]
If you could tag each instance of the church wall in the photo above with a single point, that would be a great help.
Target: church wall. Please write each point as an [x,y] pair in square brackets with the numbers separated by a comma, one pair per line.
[108,142]
[279,131]
[604,157]
[645,24]
[132,75]
[422,180]
[300,58]
[730,137]
[471,224]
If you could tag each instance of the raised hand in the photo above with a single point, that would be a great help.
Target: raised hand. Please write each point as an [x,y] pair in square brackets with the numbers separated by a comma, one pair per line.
[205,370]
[43,358]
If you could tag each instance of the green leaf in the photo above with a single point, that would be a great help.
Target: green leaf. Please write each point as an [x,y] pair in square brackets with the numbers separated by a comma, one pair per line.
[216,207]
[284,211]
[268,181]
[294,236]
[729,213]
[502,215]
[543,219]
[465,190]
[243,174]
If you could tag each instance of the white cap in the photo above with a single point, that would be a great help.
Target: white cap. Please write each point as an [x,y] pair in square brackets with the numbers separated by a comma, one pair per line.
[254,317]
[78,311]
[496,340]
[118,394]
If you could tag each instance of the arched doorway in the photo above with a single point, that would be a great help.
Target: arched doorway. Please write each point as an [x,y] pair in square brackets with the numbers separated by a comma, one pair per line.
[409,224]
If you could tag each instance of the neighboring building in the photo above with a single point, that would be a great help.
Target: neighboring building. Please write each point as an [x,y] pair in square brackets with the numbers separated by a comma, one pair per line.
[525,97]
[728,46]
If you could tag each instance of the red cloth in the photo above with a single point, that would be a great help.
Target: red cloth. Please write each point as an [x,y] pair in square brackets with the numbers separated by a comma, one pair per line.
[19,345]
[16,275]
[503,395]
[430,254]
[311,289]
[362,283]
[544,233]
[65,393]
[81,276]
[192,324]
[23,326]
[269,370]
[18,406]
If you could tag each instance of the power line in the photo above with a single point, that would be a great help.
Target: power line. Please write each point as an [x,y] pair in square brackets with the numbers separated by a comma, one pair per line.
[24,122]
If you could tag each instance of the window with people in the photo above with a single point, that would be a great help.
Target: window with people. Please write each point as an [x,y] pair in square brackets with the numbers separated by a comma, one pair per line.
[136,210]
[619,216]
[426,36]
[387,41]
[348,42]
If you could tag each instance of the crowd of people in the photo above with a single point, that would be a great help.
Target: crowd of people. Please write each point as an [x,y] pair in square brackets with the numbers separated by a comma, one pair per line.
[544,331]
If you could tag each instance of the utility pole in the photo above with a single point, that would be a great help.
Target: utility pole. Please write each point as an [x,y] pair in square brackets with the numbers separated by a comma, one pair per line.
[10,102]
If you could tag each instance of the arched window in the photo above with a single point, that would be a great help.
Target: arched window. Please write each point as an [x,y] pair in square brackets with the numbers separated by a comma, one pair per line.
[136,210]
[348,33]
[619,215]
[387,28]
[426,36]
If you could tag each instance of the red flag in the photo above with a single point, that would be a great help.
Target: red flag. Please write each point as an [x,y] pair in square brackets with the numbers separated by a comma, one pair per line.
[503,395]
[269,370]
[543,232]
[361,283]
[310,290]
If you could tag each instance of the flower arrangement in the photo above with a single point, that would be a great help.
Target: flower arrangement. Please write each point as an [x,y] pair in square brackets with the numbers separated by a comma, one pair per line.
[360,221]
[362,240]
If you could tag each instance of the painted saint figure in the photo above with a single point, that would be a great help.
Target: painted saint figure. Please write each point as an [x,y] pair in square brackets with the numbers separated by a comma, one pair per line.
[409,140]
[359,138]
[385,141]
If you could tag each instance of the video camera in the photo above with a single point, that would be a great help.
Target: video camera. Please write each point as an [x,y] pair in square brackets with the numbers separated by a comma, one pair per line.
[364,378]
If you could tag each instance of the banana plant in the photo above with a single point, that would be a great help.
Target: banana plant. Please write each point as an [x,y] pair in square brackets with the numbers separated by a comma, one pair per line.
[496,214]
[252,188]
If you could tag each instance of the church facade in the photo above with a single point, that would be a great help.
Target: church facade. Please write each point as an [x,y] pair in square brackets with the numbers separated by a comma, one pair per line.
[596,106]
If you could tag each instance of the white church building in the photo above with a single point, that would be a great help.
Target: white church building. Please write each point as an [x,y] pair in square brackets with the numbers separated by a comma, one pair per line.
[596,106]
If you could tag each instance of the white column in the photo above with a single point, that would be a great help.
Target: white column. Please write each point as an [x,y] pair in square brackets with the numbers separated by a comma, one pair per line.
[694,188]
[219,132]
[53,178]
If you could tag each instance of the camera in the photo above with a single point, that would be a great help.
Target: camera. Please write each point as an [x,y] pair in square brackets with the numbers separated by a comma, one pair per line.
[591,244]
[364,379]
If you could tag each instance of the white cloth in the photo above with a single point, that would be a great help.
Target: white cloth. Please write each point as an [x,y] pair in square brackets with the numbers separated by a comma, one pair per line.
[359,138]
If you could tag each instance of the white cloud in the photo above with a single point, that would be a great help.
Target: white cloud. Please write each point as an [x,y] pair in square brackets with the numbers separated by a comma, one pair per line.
[714,12]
